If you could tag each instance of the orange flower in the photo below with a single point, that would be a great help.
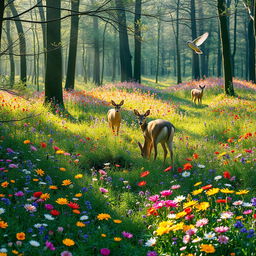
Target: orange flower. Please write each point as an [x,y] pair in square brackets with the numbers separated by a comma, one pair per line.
[3,224]
[21,236]
[45,196]
[66,182]
[195,156]
[187,166]
[26,141]
[62,169]
[80,224]
[68,242]
[53,187]
[144,174]
[5,184]
[40,172]
[142,183]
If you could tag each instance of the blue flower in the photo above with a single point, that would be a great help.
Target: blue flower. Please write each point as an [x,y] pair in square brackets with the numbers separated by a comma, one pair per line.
[238,224]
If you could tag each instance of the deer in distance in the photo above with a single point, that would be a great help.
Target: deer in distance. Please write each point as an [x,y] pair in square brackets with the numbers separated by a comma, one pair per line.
[114,116]
[154,132]
[197,94]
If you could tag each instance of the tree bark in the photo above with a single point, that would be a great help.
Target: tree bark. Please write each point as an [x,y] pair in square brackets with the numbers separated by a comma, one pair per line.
[251,46]
[96,64]
[158,49]
[234,40]
[219,56]
[137,42]
[22,43]
[53,74]
[114,58]
[70,79]
[125,54]
[177,44]
[2,3]
[226,52]
[103,53]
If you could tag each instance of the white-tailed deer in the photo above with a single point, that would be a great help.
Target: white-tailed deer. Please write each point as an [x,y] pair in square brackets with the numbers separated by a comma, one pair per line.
[114,116]
[154,132]
[197,94]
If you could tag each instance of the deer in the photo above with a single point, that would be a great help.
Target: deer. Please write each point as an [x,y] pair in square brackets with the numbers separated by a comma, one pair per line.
[154,132]
[114,116]
[197,94]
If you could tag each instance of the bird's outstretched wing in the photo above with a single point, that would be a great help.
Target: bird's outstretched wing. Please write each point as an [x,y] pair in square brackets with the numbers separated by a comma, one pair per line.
[198,41]
[194,48]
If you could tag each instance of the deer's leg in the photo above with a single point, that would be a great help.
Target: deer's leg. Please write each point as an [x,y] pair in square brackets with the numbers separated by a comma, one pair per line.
[117,129]
[155,149]
[150,149]
[165,150]
[170,147]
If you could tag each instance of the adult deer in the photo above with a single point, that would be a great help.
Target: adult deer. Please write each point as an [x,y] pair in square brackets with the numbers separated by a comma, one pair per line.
[114,116]
[197,94]
[154,132]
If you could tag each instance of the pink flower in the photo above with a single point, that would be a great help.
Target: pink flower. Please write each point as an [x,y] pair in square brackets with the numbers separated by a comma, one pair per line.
[175,187]
[127,235]
[223,239]
[33,148]
[247,212]
[103,190]
[221,229]
[19,193]
[202,222]
[170,203]
[13,166]
[189,217]
[166,193]
[48,207]
[154,198]
[50,245]
[66,253]
[186,239]
[102,172]
[104,251]
[159,204]
[191,231]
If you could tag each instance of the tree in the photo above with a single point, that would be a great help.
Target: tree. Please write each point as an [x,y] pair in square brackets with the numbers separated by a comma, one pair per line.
[22,43]
[226,52]
[1,18]
[96,65]
[125,54]
[251,45]
[158,49]
[53,74]
[70,79]
[137,42]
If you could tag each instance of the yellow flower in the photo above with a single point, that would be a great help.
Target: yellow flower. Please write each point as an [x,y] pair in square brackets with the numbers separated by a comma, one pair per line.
[3,254]
[189,204]
[117,239]
[180,214]
[62,201]
[202,206]
[103,235]
[68,242]
[20,236]
[188,227]
[239,218]
[66,182]
[15,252]
[162,230]
[3,224]
[197,184]
[62,169]
[60,152]
[227,191]
[40,172]
[196,192]
[80,224]
[53,187]
[103,216]
[242,192]
[178,226]
[78,195]
[208,248]
[79,176]
[45,196]
[26,142]
[12,181]
[117,221]
[212,191]
[35,180]
[5,184]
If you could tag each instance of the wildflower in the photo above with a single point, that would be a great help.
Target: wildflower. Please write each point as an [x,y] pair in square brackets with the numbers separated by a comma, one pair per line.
[50,246]
[226,215]
[84,217]
[187,166]
[144,174]
[104,251]
[117,239]
[245,204]
[73,205]
[237,203]
[34,243]
[196,240]
[62,201]
[48,207]
[210,236]
[208,248]
[80,224]
[197,184]
[186,239]
[40,172]
[30,208]
[78,195]
[202,222]
[223,239]
[152,253]
[60,229]
[242,192]
[53,187]
[150,242]
[227,191]
[201,166]
[238,224]
[247,212]
[62,169]
[45,196]
[20,236]
[3,224]
[43,144]
[37,194]
[66,182]
[127,235]
[154,198]
[221,201]
[103,235]
[54,212]
[26,142]
[185,174]
[166,193]
[5,184]
[19,193]
[2,210]
[217,177]
[207,187]
[68,242]
[189,204]
[79,176]
[48,217]
[212,191]
[103,190]
[175,186]
[117,221]
[226,175]
[103,216]
[202,206]
[179,199]
[221,229]
[196,192]
[142,183]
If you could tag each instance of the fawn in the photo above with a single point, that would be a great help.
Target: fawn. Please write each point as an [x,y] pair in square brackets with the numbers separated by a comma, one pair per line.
[197,94]
[114,116]
[154,132]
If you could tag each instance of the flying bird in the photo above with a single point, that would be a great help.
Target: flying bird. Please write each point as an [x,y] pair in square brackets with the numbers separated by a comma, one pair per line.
[197,42]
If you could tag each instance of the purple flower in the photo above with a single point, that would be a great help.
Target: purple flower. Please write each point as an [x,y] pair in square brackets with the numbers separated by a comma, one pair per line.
[253,201]
[19,193]
[49,207]
[13,166]
[50,245]
[9,150]
[104,251]
[127,235]
[223,239]
[152,253]
[66,253]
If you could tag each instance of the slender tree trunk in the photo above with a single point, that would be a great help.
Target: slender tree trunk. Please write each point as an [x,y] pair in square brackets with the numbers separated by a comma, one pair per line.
[11,58]
[137,42]
[84,62]
[42,17]
[2,4]
[234,40]
[125,54]
[177,44]
[103,53]
[219,56]
[114,57]
[96,65]
[251,46]
[70,78]
[158,49]
[22,42]
[195,57]
[53,74]
[226,52]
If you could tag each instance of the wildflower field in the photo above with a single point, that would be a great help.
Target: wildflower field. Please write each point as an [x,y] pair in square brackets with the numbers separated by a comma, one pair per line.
[70,187]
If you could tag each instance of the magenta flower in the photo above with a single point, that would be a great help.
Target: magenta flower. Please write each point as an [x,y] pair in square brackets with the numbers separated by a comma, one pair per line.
[154,198]
[19,193]
[247,212]
[103,190]
[66,253]
[170,203]
[48,207]
[166,193]
[104,251]
[50,245]
[152,253]
[127,235]
[102,172]
[223,239]
[221,229]
[13,166]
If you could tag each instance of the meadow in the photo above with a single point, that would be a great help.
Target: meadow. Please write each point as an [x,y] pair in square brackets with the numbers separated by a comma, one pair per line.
[71,187]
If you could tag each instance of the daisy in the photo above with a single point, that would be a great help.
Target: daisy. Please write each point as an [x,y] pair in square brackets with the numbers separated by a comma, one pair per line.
[175,186]
[185,174]
[202,222]
[226,215]
[151,242]
[2,210]
[223,239]
[179,199]
[210,236]
[217,177]
[34,243]
[30,208]
[49,217]
[237,203]
[201,166]
[221,229]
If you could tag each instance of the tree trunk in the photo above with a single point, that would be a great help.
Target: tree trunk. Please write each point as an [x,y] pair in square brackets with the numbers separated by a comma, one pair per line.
[195,57]
[137,42]
[22,42]
[53,74]
[226,53]
[125,54]
[103,53]
[96,65]
[70,79]
[2,3]
[158,49]
[114,58]
[177,44]
[84,62]
[234,40]
[219,57]
[251,46]
[42,17]
[11,58]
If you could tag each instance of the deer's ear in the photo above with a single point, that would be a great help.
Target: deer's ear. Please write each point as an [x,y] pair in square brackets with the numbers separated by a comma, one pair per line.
[147,113]
[140,146]
[136,112]
[113,103]
[121,103]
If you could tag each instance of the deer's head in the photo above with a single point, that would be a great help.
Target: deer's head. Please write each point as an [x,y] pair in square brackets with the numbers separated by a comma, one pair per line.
[117,106]
[141,118]
[202,87]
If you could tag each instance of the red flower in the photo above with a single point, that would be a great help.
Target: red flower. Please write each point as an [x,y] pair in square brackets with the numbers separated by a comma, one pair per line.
[216,153]
[195,156]
[168,169]
[73,205]
[152,211]
[142,183]
[207,187]
[187,166]
[226,175]
[37,194]
[43,144]
[179,169]
[56,148]
[189,159]
[118,165]
[54,212]
[221,201]
[254,216]
[144,174]
[188,210]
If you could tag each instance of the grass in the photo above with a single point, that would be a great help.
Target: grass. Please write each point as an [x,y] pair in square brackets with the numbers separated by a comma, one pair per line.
[221,132]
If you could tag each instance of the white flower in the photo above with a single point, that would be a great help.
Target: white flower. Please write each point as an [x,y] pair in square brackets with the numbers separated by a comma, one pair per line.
[178,199]
[30,208]
[228,185]
[226,215]
[42,183]
[196,240]
[2,210]
[4,250]
[245,204]
[237,203]
[107,164]
[39,225]
[171,216]
[84,217]
[94,179]
[218,177]
[125,181]
[201,166]
[210,236]
[75,199]
[48,217]
[185,174]
[34,243]
[151,242]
